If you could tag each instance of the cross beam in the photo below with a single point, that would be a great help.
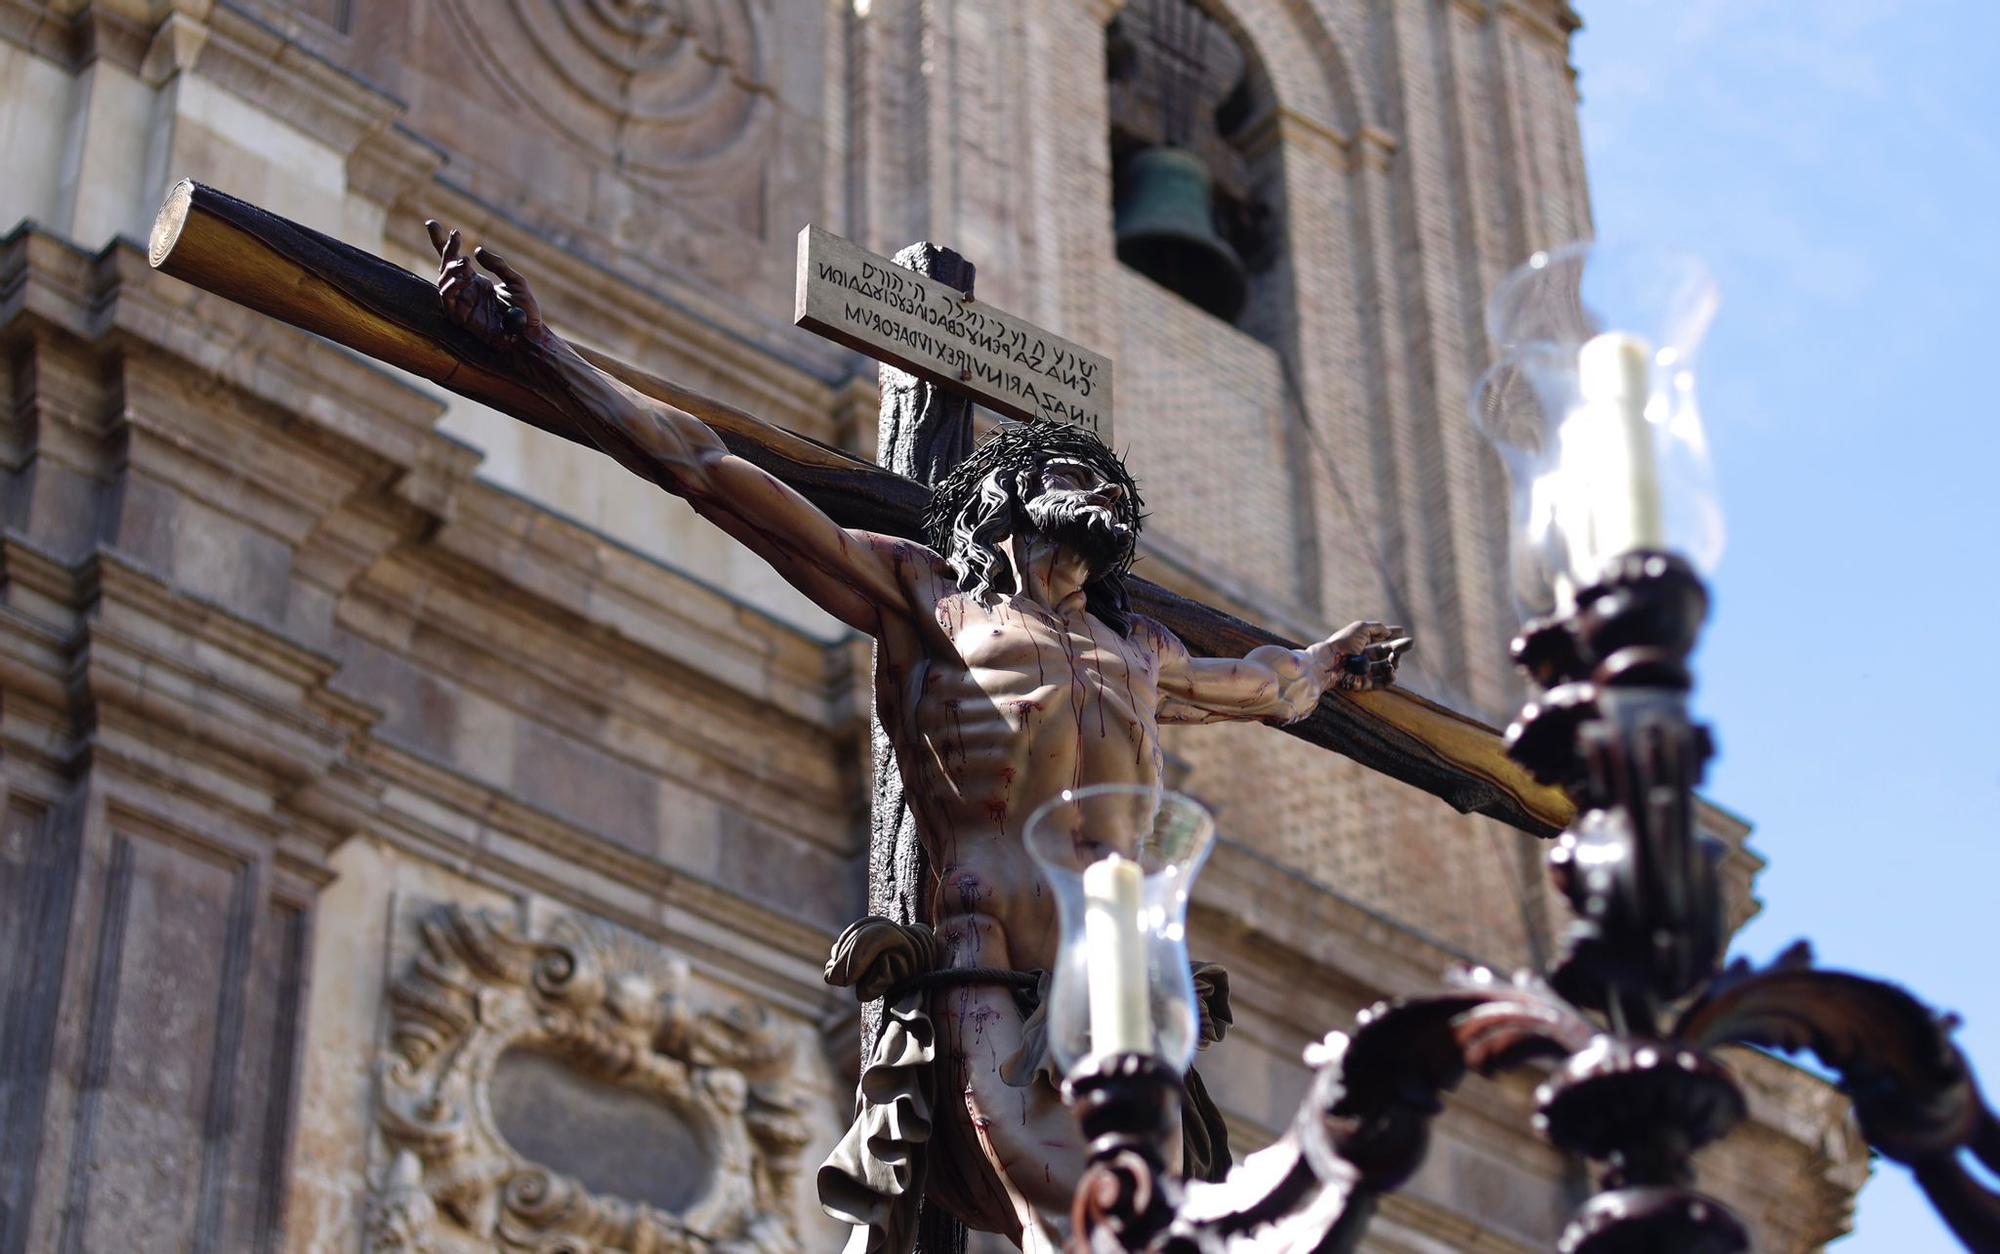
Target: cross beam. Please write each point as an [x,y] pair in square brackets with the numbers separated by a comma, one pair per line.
[315,282]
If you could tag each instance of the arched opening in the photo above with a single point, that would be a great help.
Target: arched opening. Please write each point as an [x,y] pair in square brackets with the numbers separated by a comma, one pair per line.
[1196,178]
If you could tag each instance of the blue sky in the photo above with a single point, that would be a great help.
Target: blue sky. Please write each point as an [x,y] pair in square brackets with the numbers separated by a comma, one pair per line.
[1837,162]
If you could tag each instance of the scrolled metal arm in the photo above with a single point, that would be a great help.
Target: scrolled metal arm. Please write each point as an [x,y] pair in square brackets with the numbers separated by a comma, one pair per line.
[1914,1095]
[1361,1133]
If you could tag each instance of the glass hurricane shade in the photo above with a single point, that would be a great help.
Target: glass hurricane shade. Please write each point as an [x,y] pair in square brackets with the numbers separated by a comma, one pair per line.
[1591,406]
[1121,860]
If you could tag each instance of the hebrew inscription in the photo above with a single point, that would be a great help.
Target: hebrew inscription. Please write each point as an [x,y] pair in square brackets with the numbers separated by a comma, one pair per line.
[559,1092]
[936,332]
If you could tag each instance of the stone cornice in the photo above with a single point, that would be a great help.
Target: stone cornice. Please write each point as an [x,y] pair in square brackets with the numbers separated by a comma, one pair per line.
[1377,149]
[683,685]
[728,647]
[754,360]
[46,276]
[1552,20]
[1555,18]
[281,76]
[214,711]
[309,443]
[489,837]
[1740,863]
[363,472]
[39,723]
[392,164]
[116,32]
[375,474]
[252,729]
[1319,138]
[1807,1111]
[115,294]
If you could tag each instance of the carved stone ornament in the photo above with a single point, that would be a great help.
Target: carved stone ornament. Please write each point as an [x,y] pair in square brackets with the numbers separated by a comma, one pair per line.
[668,1130]
[665,88]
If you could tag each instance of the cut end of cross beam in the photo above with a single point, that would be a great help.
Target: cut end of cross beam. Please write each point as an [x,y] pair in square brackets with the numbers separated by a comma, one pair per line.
[168,225]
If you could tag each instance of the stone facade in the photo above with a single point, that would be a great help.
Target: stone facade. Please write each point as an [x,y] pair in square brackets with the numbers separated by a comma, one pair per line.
[306,664]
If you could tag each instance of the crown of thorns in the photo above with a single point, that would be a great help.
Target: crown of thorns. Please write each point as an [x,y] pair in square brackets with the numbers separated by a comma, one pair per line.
[1019,451]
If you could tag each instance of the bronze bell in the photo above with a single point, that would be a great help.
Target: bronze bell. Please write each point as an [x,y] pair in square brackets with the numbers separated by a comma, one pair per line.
[1166,230]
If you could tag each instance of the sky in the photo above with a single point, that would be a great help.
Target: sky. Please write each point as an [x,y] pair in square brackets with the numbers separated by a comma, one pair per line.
[1837,163]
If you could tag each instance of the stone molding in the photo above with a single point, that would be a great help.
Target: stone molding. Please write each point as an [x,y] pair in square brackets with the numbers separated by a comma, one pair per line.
[269,69]
[611,1007]
[390,537]
[450,818]
[1553,20]
[676,324]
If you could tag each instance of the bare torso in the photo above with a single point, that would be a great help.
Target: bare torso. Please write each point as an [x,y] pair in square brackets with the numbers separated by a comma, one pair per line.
[995,709]
[1021,703]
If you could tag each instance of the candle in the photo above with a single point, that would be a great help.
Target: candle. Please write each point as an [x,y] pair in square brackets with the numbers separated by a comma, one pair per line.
[1119,1023]
[1611,484]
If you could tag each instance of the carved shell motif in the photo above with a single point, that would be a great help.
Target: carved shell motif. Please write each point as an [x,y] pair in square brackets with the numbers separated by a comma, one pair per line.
[578,1046]
[663,89]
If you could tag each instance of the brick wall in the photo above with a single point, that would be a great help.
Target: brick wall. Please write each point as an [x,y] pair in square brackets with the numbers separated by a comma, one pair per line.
[1201,413]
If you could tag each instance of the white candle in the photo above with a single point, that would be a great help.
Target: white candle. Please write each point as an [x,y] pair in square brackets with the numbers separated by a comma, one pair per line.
[1119,1022]
[1612,485]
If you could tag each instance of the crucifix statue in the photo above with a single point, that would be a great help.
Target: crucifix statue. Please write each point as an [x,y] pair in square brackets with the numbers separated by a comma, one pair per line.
[1010,667]
[1016,658]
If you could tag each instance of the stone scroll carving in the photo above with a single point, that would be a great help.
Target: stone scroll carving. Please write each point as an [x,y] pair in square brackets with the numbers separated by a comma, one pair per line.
[578,1045]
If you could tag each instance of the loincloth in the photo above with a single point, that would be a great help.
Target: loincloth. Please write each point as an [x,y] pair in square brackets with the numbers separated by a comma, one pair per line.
[874,1178]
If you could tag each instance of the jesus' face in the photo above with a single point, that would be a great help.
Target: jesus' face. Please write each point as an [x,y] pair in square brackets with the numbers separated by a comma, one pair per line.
[1081,509]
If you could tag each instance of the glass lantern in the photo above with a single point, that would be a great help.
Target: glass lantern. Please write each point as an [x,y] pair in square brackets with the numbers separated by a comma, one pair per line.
[1122,861]
[1591,407]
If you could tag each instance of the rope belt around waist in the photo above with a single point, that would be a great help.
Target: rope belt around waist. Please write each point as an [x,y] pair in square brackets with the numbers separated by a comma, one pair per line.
[954,976]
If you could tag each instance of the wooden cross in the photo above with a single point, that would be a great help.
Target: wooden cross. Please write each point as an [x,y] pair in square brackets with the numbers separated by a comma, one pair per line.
[941,352]
[381,310]
[922,431]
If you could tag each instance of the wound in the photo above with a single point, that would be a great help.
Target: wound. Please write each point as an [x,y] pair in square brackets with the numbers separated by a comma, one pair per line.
[970,889]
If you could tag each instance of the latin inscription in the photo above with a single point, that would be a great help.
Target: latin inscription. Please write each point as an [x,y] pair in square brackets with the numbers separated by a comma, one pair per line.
[871,304]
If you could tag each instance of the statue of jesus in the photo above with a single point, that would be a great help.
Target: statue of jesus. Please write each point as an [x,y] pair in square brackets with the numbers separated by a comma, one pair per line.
[1010,668]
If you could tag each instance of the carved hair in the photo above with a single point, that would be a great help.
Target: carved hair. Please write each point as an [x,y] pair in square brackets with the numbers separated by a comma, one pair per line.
[984,500]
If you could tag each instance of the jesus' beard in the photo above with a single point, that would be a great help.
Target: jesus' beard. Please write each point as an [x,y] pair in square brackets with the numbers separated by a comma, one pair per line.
[1075,520]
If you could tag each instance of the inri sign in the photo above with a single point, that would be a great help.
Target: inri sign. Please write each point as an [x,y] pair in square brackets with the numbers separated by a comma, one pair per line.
[935,332]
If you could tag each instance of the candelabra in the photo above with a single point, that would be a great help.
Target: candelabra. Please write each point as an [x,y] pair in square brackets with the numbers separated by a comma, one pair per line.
[1592,409]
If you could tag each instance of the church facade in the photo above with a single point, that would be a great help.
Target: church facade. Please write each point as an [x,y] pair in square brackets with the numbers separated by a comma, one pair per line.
[421,834]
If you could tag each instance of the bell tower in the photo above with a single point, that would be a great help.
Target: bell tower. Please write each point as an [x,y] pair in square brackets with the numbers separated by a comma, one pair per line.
[1183,92]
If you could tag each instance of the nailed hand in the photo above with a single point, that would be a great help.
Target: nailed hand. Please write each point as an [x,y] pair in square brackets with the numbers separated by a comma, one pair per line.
[1368,655]
[500,309]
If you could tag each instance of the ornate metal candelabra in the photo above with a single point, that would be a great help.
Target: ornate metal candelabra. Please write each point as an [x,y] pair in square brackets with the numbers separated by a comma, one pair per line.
[1626,1023]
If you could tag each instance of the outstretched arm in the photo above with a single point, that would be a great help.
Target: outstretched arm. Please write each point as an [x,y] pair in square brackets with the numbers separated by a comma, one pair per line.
[856,576]
[1273,684]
